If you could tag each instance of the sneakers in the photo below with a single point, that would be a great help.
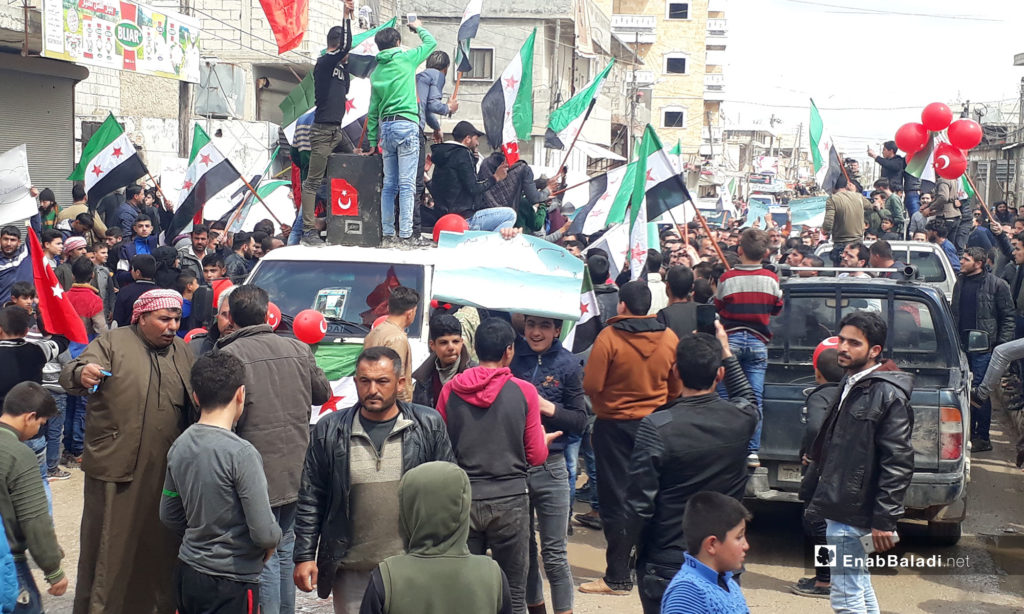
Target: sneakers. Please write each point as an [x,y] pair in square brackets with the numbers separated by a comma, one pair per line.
[806,587]
[981,445]
[311,238]
[753,462]
[600,587]
[56,474]
[70,461]
[389,242]
[415,242]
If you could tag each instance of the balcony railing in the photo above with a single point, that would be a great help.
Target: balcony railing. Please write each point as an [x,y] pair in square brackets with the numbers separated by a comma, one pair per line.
[640,29]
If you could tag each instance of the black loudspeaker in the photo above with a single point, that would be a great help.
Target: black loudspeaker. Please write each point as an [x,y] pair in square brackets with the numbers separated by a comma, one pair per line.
[353,211]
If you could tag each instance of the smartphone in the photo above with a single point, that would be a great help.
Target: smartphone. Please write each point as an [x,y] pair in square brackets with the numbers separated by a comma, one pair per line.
[868,542]
[410,18]
[707,315]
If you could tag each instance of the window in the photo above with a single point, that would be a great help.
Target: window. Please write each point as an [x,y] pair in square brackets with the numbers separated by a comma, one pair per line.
[673,117]
[482,61]
[678,10]
[675,64]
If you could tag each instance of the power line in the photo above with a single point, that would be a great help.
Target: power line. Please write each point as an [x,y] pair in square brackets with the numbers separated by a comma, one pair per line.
[869,11]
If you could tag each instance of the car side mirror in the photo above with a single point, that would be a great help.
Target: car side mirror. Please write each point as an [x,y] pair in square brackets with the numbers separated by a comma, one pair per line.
[977,341]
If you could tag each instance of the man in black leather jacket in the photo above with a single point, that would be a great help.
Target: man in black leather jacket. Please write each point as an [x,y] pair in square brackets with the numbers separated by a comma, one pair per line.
[347,520]
[862,460]
[695,443]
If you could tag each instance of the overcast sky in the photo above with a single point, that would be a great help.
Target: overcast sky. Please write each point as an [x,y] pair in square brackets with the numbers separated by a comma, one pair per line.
[883,54]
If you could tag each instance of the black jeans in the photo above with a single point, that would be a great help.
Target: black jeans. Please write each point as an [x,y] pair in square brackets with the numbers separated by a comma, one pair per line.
[199,593]
[417,225]
[503,525]
[651,581]
[613,445]
[814,529]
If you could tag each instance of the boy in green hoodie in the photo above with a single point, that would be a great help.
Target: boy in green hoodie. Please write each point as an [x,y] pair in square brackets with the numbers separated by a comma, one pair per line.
[394,118]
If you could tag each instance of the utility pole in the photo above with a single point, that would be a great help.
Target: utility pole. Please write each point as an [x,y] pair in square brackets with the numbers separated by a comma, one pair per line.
[631,101]
[711,136]
[184,104]
[794,156]
[1018,150]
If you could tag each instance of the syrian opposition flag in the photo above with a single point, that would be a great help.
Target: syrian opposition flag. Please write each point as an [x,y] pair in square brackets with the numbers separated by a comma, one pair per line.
[577,337]
[59,315]
[604,193]
[657,188]
[567,120]
[297,110]
[507,107]
[362,59]
[827,165]
[467,31]
[921,164]
[615,243]
[208,173]
[109,161]
[289,19]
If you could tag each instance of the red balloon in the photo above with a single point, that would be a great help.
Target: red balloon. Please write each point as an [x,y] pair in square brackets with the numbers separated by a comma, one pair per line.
[378,322]
[309,326]
[949,162]
[452,222]
[192,333]
[936,116]
[273,315]
[911,137]
[965,134]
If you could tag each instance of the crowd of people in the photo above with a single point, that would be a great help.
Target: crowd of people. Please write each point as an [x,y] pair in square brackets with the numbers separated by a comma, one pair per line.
[206,490]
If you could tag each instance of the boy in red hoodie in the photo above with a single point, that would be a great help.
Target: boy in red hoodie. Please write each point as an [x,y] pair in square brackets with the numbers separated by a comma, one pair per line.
[494,425]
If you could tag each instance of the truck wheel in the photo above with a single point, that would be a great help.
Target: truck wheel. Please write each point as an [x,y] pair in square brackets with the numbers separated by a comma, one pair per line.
[943,533]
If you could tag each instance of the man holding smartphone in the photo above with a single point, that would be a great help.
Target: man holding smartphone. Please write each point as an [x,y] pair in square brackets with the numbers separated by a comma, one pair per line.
[861,460]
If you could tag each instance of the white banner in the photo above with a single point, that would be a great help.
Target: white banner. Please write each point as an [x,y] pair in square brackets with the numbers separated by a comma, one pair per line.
[16,201]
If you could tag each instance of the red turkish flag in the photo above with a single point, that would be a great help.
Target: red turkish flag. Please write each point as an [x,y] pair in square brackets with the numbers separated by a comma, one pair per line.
[59,315]
[289,19]
[344,198]
[511,151]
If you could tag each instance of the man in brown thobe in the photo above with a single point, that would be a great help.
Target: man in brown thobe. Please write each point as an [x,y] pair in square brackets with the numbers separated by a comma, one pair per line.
[141,403]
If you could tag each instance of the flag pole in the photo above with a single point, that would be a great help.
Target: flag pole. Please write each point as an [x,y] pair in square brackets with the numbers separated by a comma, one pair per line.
[981,200]
[574,139]
[158,188]
[582,183]
[265,206]
[707,229]
[455,93]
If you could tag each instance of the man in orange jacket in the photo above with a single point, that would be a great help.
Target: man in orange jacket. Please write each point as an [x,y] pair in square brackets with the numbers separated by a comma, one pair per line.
[628,376]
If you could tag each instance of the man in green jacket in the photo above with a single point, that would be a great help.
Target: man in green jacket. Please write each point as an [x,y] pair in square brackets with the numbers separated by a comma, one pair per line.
[394,118]
[844,216]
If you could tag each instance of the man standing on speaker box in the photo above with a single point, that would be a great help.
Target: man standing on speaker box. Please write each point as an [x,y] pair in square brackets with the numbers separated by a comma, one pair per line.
[330,83]
[394,116]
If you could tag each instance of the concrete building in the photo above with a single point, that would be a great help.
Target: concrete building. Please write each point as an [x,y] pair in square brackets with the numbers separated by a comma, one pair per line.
[683,49]
[559,69]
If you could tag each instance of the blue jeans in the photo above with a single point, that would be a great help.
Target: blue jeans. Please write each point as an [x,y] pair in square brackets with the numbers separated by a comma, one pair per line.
[400,144]
[572,460]
[296,234]
[752,355]
[912,199]
[495,218]
[38,446]
[29,599]
[549,514]
[851,592]
[54,430]
[277,588]
[74,425]
[981,417]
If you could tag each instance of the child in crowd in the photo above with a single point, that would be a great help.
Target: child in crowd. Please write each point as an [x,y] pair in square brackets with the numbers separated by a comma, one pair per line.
[215,497]
[715,526]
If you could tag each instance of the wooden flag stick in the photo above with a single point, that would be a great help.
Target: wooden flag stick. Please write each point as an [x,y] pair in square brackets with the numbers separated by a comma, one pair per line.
[574,139]
[158,188]
[707,229]
[455,93]
[265,206]
[981,200]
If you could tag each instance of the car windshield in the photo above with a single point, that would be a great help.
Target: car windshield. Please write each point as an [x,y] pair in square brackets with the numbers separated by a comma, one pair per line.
[805,321]
[355,292]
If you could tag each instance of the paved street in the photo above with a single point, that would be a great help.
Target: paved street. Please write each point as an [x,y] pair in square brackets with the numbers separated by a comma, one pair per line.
[993,543]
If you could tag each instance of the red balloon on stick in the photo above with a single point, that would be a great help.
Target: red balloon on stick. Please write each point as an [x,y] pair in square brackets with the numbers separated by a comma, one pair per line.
[949,162]
[452,222]
[273,316]
[936,116]
[911,137]
[965,134]
[309,326]
[192,333]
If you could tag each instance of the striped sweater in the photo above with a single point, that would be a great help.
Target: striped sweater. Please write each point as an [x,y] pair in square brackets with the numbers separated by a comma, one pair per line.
[748,296]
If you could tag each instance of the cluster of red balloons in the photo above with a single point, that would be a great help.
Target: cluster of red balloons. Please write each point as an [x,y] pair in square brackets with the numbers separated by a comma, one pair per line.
[309,326]
[950,159]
